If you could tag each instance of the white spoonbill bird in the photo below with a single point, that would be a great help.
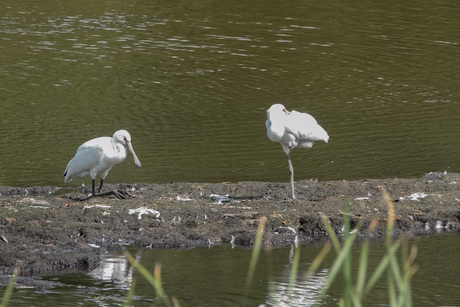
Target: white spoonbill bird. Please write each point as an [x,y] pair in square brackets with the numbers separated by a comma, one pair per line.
[97,156]
[293,129]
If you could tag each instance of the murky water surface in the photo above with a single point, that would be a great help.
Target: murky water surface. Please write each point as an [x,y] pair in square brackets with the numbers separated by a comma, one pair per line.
[191,83]
[216,276]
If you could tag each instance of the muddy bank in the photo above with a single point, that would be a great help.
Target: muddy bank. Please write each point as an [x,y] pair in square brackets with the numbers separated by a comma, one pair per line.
[47,230]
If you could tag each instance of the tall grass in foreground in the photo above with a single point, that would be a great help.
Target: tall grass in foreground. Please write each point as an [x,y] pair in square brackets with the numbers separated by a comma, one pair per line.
[398,276]
[154,280]
[9,289]
[354,292]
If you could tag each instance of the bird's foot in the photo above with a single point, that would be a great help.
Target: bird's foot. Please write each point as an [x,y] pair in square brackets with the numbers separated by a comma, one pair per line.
[120,194]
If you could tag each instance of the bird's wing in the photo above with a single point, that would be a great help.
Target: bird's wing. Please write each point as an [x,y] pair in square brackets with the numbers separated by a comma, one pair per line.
[275,131]
[87,157]
[305,127]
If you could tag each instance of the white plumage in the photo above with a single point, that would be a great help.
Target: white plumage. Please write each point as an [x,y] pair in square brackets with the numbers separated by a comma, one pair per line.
[293,129]
[97,156]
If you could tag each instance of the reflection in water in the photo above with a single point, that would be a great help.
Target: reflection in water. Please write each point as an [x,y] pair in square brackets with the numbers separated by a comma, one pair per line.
[216,277]
[303,292]
[115,268]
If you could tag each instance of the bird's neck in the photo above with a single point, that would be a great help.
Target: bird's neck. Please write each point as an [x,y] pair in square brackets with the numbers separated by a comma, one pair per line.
[119,149]
[277,128]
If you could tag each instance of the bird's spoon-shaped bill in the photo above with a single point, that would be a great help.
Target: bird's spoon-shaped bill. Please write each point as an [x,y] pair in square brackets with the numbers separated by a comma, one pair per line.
[136,159]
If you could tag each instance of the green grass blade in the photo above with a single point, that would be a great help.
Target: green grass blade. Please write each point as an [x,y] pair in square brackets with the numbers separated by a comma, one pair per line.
[129,294]
[408,270]
[362,270]
[383,265]
[337,265]
[318,260]
[149,277]
[9,289]
[396,272]
[154,280]
[256,251]
[334,239]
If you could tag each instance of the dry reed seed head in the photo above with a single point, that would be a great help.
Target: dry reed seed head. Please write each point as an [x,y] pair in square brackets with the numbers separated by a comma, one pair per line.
[391,208]
[16,271]
[325,219]
[262,222]
[157,271]
[373,224]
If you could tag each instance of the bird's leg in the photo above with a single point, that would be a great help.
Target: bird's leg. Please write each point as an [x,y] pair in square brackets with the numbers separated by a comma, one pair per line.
[120,194]
[100,186]
[291,173]
[93,189]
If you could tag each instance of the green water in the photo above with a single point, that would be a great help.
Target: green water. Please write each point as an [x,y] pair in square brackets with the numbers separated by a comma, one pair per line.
[216,276]
[191,83]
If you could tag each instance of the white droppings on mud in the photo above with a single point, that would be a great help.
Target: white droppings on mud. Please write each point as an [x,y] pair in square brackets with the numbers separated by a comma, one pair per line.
[34,201]
[144,210]
[417,196]
[97,206]
[364,197]
[180,198]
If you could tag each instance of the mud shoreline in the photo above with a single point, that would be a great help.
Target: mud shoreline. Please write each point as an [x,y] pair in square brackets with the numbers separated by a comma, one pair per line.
[50,230]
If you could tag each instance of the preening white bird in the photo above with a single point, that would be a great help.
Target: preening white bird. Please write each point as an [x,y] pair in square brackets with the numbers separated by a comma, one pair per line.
[98,156]
[293,129]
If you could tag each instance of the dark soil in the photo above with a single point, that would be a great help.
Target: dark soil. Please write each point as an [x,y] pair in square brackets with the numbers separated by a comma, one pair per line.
[49,230]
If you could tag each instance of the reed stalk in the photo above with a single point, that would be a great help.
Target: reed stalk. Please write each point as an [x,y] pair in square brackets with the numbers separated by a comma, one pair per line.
[9,289]
[154,280]
[256,251]
[398,276]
